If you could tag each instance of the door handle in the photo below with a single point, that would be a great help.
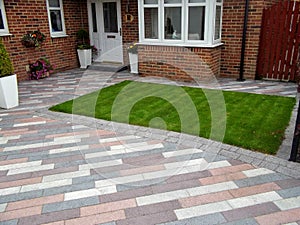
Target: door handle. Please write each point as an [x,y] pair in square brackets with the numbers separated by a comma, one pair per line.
[120,31]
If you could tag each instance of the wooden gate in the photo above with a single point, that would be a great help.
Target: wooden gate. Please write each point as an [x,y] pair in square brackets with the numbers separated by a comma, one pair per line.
[279,42]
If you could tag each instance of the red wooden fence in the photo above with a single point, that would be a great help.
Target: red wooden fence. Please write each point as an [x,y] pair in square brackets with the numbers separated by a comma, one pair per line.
[279,42]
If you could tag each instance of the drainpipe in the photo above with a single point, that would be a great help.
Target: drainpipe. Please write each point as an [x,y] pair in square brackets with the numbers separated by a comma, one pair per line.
[242,62]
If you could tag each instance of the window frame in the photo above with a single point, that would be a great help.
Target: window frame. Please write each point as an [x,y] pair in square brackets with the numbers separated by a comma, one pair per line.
[209,27]
[55,34]
[218,3]
[5,31]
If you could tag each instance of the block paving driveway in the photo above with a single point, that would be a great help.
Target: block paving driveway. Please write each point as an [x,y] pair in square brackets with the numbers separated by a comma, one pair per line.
[63,169]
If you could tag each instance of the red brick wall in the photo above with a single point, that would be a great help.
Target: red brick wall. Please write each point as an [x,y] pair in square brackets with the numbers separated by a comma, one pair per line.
[30,15]
[233,19]
[176,63]
[130,30]
[179,63]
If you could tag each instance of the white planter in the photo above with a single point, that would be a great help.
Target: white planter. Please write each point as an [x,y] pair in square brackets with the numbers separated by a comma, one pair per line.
[85,57]
[9,96]
[134,65]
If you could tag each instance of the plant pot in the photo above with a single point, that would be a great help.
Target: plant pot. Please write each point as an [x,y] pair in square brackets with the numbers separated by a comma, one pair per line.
[9,96]
[133,61]
[85,57]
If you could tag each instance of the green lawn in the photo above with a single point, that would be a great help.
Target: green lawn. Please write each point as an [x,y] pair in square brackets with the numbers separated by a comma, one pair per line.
[250,121]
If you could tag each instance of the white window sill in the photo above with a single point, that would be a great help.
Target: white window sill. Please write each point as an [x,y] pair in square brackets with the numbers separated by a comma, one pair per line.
[195,45]
[59,36]
[5,34]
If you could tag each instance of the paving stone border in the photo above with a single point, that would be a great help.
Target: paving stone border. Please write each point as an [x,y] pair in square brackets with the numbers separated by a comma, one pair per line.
[258,159]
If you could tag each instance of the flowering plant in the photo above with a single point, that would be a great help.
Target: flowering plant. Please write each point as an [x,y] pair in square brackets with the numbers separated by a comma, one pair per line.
[33,39]
[40,69]
[133,48]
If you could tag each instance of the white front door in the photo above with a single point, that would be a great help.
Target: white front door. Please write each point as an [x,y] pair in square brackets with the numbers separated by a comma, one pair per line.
[106,30]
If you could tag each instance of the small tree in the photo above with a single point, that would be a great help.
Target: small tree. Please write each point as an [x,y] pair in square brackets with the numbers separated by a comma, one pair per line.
[6,67]
[83,37]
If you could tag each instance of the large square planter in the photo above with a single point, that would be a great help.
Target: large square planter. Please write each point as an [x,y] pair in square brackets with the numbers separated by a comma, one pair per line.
[133,60]
[85,57]
[9,96]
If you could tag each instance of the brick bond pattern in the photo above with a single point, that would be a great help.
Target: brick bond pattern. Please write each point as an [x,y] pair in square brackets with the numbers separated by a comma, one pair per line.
[59,170]
[30,15]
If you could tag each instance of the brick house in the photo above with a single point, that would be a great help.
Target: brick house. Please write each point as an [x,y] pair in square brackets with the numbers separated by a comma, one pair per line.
[170,34]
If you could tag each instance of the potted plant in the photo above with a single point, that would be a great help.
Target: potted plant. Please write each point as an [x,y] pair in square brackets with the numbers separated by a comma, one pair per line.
[9,97]
[41,68]
[84,49]
[133,58]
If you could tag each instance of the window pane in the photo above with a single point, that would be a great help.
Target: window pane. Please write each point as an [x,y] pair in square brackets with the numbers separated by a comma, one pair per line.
[218,22]
[110,17]
[1,20]
[150,1]
[56,21]
[196,23]
[173,23]
[197,1]
[172,1]
[151,23]
[94,17]
[54,3]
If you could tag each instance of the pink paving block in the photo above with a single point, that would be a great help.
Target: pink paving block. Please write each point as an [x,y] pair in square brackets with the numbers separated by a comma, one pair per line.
[205,199]
[34,202]
[231,169]
[9,215]
[277,218]
[21,182]
[222,178]
[13,161]
[97,219]
[254,189]
[142,169]
[107,207]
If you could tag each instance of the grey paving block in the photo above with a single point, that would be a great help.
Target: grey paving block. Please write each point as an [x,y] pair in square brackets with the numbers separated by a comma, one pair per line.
[248,221]
[145,183]
[260,179]
[9,222]
[68,188]
[87,179]
[250,211]
[21,196]
[288,171]
[69,164]
[230,154]
[289,193]
[246,158]
[268,165]
[59,206]
[216,218]
[50,217]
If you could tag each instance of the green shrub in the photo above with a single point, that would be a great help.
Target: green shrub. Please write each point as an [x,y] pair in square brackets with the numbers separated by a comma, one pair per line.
[6,67]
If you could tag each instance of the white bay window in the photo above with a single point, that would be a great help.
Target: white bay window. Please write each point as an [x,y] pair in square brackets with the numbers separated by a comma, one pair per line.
[181,22]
